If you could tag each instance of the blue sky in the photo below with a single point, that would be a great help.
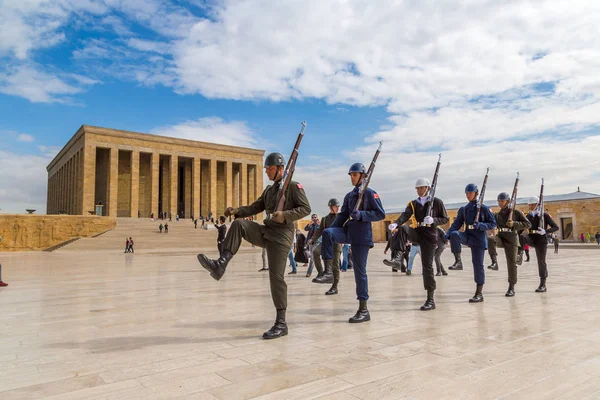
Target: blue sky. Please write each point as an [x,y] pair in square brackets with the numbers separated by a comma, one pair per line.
[485,84]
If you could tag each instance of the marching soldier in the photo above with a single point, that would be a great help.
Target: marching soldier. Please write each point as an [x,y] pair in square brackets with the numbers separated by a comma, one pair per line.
[537,238]
[474,236]
[508,238]
[425,234]
[331,274]
[275,235]
[357,232]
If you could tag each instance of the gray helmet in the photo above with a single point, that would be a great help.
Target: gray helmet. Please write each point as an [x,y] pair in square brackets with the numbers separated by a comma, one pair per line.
[333,202]
[274,159]
[533,200]
[422,182]
[503,196]
[357,167]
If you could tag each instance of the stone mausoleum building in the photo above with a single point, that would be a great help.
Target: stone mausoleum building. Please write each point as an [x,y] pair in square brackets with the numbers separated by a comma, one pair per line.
[133,174]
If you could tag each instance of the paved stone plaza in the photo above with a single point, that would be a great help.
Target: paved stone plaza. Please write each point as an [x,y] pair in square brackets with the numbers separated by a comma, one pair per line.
[100,324]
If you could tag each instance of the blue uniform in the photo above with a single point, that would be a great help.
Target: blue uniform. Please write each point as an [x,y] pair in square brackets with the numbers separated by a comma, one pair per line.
[357,233]
[476,239]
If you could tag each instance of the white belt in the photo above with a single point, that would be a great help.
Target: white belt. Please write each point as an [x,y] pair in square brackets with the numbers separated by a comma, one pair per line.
[504,229]
[424,224]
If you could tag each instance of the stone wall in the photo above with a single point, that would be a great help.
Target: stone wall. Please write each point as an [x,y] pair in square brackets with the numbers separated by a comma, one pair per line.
[39,232]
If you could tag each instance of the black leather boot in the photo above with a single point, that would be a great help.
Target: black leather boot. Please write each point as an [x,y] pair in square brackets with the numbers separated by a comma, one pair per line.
[439,272]
[279,328]
[327,276]
[542,287]
[511,290]
[336,279]
[457,266]
[494,264]
[319,275]
[478,297]
[215,267]
[362,315]
[429,303]
[444,272]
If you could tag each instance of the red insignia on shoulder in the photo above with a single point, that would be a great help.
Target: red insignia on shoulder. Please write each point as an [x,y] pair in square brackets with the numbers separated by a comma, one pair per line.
[299,186]
[375,195]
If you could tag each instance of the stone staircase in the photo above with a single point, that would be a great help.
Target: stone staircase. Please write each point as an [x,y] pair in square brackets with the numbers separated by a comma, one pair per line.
[182,237]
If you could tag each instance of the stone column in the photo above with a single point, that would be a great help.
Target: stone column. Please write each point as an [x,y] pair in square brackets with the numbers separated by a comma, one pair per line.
[244,184]
[70,187]
[89,178]
[228,184]
[196,187]
[135,183]
[235,188]
[213,187]
[173,168]
[154,190]
[60,189]
[113,183]
[187,190]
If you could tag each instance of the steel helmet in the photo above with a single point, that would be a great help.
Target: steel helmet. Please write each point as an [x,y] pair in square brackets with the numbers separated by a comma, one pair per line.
[274,159]
[422,182]
[333,202]
[533,200]
[471,187]
[503,196]
[357,167]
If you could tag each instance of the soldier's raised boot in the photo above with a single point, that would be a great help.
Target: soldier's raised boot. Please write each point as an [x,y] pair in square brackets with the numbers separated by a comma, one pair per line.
[457,263]
[494,264]
[362,315]
[215,267]
[478,297]
[542,287]
[336,279]
[511,290]
[319,275]
[279,329]
[429,303]
[327,276]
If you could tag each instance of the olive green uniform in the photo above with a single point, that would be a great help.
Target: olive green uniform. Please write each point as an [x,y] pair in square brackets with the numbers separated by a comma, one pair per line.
[275,237]
[508,238]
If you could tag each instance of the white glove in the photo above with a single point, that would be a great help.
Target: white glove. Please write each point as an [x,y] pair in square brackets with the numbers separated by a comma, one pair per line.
[428,220]
[392,227]
[541,231]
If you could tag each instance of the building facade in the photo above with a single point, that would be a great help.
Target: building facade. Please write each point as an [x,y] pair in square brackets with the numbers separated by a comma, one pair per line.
[133,174]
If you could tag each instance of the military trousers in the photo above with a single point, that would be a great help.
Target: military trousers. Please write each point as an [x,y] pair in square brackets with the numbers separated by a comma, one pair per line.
[360,254]
[337,253]
[510,242]
[276,254]
[457,239]
[438,257]
[428,247]
[540,244]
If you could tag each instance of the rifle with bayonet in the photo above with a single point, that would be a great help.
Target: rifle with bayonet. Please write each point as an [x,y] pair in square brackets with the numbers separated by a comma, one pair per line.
[365,182]
[289,171]
[434,186]
[541,207]
[513,199]
[482,195]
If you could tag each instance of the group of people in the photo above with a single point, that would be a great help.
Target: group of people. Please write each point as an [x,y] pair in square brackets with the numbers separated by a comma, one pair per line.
[588,237]
[351,224]
[129,245]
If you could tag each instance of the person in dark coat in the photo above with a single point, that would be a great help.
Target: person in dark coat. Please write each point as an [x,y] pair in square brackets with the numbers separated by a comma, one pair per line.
[221,236]
[441,246]
[474,236]
[354,227]
[300,255]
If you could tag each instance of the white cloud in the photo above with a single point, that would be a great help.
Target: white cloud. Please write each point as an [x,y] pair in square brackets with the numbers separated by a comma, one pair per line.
[24,137]
[22,182]
[37,86]
[211,129]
